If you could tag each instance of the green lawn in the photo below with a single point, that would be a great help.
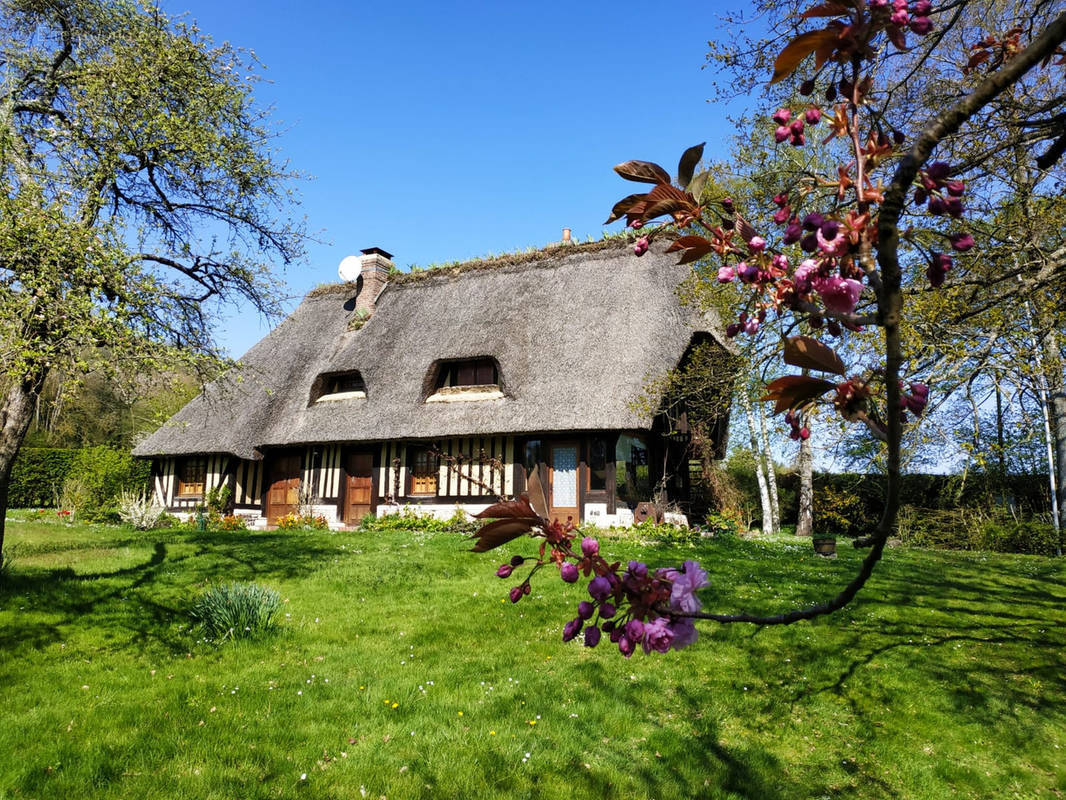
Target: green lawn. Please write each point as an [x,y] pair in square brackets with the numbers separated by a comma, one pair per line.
[398,671]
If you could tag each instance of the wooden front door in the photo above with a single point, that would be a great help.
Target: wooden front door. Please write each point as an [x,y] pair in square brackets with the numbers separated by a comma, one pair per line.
[283,491]
[359,490]
[563,487]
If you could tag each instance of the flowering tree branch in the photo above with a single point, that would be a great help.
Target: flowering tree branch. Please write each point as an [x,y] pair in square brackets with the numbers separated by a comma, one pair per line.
[850,240]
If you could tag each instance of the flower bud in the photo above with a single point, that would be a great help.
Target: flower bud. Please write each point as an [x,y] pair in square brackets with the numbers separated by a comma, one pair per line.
[589,547]
[641,246]
[805,433]
[898,137]
[807,87]
[781,133]
[592,636]
[792,233]
[634,630]
[782,116]
[638,569]
[727,205]
[833,327]
[813,116]
[585,609]
[955,188]
[726,274]
[607,610]
[813,221]
[921,25]
[732,329]
[938,170]
[625,647]
[781,215]
[516,594]
[504,571]
[809,243]
[572,628]
[568,572]
[961,242]
[600,588]
[517,561]
[756,244]
[796,127]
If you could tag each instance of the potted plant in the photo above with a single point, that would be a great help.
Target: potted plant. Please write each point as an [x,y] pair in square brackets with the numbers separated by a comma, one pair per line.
[825,545]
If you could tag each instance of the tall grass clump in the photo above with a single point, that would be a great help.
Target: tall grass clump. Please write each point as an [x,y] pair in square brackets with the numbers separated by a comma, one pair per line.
[236,611]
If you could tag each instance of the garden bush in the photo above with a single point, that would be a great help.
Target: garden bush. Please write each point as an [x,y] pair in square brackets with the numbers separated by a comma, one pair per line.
[975,529]
[410,520]
[236,611]
[37,476]
[139,510]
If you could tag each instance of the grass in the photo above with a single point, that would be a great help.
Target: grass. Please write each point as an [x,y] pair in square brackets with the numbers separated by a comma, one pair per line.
[398,671]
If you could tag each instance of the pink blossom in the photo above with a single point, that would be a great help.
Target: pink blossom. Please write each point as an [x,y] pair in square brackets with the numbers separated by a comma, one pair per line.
[751,326]
[685,633]
[780,261]
[757,244]
[657,635]
[589,547]
[803,274]
[726,274]
[839,294]
[961,241]
[781,133]
[813,116]
[686,583]
[782,116]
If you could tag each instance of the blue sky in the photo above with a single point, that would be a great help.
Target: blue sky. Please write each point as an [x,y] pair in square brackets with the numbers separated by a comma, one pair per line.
[443,132]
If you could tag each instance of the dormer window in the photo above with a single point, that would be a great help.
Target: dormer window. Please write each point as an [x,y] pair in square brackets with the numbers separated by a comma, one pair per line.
[470,379]
[334,386]
[478,372]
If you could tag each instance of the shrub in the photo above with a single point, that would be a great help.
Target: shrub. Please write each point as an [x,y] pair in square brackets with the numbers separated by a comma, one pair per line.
[236,611]
[410,520]
[302,522]
[722,524]
[139,510]
[37,476]
[959,529]
[97,476]
[232,523]
[837,511]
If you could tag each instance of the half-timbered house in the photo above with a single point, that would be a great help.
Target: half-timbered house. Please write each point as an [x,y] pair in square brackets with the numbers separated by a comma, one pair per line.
[448,387]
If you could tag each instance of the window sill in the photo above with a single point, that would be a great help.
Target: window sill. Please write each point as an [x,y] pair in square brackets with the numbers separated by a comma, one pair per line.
[462,394]
[332,398]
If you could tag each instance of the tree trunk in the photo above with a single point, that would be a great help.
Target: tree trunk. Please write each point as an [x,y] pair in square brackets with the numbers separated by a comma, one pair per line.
[771,473]
[16,414]
[805,515]
[1057,403]
[764,492]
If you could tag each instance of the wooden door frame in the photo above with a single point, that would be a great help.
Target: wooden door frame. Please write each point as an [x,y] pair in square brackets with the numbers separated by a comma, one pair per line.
[579,460]
[346,454]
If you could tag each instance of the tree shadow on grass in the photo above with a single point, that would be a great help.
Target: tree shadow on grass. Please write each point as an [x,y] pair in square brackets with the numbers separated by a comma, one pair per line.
[139,605]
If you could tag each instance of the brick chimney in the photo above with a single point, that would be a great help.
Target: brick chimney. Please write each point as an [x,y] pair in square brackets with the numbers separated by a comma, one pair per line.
[376,265]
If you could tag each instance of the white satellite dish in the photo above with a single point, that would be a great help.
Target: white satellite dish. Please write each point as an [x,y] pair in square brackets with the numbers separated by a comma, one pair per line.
[349,268]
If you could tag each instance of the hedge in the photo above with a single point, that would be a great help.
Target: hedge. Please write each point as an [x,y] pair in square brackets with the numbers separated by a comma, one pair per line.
[38,473]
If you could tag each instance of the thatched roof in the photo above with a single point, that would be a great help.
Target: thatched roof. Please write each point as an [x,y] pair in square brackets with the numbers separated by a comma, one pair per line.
[577,332]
